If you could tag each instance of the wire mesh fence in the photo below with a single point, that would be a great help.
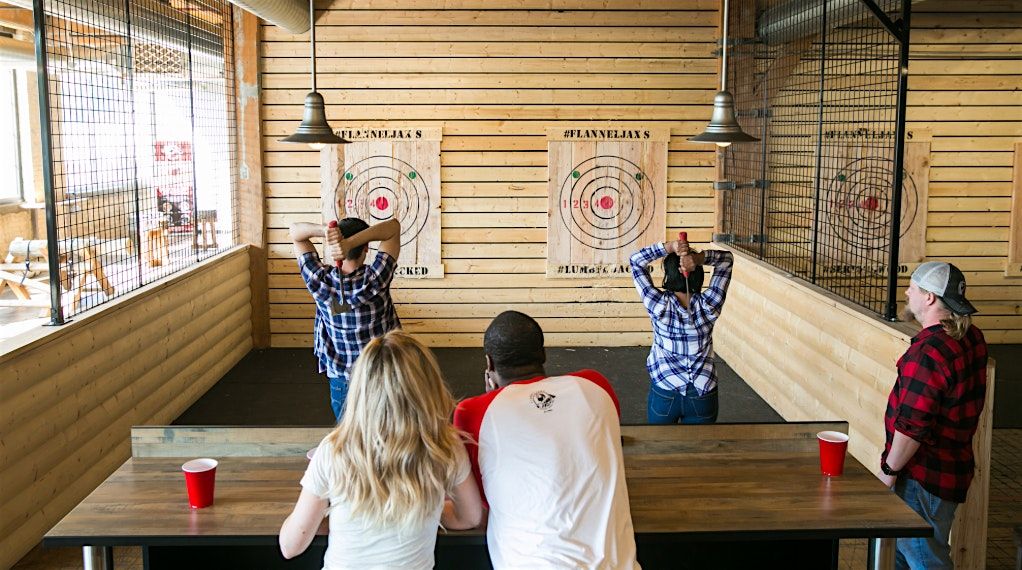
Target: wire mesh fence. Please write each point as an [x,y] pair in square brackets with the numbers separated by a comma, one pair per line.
[820,83]
[140,140]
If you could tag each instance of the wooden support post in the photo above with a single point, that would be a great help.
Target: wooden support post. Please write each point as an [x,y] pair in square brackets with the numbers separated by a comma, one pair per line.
[1013,267]
[250,168]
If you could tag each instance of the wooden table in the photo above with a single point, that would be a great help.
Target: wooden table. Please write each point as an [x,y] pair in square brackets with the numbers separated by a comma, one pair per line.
[720,495]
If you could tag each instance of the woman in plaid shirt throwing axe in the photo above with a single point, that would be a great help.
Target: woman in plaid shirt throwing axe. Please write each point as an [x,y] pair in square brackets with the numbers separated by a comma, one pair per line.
[683,383]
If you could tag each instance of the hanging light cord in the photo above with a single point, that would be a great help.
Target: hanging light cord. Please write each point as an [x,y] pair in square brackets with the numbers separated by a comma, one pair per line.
[312,29]
[723,57]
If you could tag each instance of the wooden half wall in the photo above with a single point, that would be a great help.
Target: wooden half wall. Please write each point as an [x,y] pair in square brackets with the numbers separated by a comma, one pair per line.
[495,75]
[68,400]
[813,357]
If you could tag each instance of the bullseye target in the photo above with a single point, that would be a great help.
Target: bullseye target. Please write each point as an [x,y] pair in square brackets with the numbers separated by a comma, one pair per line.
[389,173]
[607,202]
[607,197]
[858,201]
[379,188]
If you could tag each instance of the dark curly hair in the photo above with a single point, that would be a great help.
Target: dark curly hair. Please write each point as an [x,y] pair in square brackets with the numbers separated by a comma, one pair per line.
[514,341]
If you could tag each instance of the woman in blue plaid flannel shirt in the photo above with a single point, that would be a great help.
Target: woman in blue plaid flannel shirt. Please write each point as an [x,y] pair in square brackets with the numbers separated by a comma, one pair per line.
[683,384]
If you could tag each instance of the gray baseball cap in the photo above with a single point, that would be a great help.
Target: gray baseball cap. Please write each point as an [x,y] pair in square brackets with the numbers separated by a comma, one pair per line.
[945,281]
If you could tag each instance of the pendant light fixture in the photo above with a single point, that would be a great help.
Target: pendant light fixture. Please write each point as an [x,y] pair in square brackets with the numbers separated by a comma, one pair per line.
[723,128]
[314,130]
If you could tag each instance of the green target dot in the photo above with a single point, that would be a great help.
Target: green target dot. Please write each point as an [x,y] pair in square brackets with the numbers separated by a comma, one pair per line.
[412,175]
[348,176]
[638,176]
[575,174]
[841,178]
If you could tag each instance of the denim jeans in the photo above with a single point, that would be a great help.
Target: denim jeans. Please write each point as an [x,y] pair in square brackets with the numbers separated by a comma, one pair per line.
[338,394]
[934,552]
[671,406]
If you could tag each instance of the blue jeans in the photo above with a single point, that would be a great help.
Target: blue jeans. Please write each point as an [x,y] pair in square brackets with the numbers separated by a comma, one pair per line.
[338,394]
[671,406]
[934,552]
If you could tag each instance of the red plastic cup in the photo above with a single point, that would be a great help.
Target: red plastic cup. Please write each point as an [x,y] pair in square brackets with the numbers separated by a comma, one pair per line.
[200,476]
[833,446]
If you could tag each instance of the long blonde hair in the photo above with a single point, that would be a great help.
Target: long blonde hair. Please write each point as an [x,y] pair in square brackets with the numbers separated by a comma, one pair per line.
[956,325]
[395,450]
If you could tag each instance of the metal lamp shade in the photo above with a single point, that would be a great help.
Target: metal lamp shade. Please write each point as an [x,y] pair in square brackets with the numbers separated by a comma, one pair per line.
[314,128]
[723,127]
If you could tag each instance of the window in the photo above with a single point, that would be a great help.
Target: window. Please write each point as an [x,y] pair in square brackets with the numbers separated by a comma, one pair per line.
[11,183]
[142,130]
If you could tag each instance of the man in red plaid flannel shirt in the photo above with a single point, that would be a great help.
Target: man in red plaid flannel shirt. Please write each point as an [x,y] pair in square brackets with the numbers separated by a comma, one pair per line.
[933,411]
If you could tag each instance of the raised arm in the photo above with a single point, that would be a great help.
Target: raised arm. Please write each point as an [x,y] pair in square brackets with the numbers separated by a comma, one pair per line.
[722,262]
[640,276]
[302,234]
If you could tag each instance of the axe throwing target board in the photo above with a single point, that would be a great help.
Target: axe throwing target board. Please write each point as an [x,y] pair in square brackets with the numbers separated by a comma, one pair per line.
[607,197]
[385,173]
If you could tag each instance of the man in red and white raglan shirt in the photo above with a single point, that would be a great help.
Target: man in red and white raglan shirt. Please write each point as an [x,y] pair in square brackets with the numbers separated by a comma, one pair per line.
[548,458]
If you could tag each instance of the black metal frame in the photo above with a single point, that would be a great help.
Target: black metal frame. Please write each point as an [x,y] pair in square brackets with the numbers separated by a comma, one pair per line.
[87,72]
[820,82]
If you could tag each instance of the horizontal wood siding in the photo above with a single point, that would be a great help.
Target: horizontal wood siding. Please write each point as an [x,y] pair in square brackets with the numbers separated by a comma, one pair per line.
[966,92]
[495,75]
[68,401]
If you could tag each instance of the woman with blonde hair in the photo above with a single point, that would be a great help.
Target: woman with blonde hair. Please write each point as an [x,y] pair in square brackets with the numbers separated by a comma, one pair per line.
[382,475]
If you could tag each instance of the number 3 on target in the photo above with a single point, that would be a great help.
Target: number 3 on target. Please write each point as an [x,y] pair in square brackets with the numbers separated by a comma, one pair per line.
[576,204]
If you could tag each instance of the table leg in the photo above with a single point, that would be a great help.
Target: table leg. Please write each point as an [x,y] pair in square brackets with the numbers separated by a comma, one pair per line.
[880,555]
[98,557]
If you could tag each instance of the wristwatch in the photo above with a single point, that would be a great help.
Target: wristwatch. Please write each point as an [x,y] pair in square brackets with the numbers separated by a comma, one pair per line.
[887,469]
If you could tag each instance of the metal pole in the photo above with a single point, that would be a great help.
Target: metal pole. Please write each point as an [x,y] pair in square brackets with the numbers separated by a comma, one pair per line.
[891,310]
[819,144]
[134,142]
[195,174]
[723,53]
[312,47]
[97,558]
[46,140]
[763,165]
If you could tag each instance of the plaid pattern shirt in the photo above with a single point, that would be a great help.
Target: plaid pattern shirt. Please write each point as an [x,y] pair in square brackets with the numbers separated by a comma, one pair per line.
[339,338]
[682,350]
[936,401]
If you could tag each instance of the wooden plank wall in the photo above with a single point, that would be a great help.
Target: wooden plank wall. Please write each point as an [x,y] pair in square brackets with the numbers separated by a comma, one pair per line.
[495,75]
[964,90]
[814,358]
[68,400]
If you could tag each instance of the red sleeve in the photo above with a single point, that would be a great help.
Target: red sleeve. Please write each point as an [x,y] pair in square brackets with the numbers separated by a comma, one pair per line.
[468,417]
[601,381]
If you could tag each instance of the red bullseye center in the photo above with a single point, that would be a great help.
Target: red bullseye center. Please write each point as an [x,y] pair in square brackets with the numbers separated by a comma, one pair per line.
[606,202]
[870,203]
[381,203]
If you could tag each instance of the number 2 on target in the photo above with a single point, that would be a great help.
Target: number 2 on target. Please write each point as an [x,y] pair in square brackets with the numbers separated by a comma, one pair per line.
[576,204]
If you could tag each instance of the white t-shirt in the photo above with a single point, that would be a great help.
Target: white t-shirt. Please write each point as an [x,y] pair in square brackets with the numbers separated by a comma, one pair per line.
[353,544]
[551,468]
